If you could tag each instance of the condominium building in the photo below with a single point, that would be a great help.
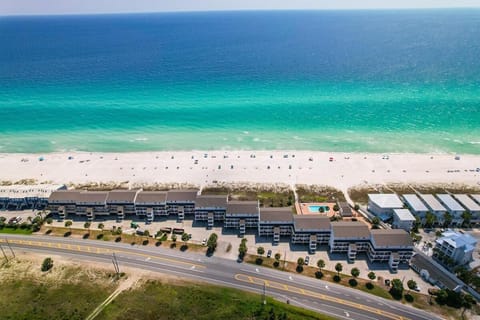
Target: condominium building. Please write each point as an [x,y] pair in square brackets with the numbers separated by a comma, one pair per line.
[63,202]
[92,204]
[434,206]
[275,222]
[453,207]
[181,202]
[470,205]
[350,237]
[392,246]
[416,206]
[312,229]
[383,204]
[241,215]
[459,247]
[121,203]
[210,208]
[403,219]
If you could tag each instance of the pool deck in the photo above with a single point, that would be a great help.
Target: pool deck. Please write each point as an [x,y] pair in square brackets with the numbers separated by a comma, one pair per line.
[303,208]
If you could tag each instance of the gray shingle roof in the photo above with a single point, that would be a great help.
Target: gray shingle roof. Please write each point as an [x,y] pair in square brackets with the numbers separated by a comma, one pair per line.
[276,214]
[151,197]
[391,238]
[211,201]
[350,229]
[242,207]
[64,195]
[124,196]
[311,223]
[182,195]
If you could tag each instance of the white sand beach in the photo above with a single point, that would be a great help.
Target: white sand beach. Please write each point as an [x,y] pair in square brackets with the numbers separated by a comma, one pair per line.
[340,170]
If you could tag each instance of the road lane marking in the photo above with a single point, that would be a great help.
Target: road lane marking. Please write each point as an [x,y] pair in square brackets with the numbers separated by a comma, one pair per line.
[297,290]
[98,250]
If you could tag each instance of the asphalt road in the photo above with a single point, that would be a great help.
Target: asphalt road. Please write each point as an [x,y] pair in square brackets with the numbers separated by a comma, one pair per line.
[321,296]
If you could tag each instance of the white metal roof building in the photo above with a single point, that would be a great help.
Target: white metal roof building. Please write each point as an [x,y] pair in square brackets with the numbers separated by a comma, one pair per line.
[476,197]
[403,219]
[432,203]
[468,203]
[382,204]
[450,204]
[415,204]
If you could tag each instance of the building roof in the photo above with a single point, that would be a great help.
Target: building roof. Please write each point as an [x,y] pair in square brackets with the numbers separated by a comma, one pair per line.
[450,202]
[423,263]
[29,191]
[350,229]
[432,202]
[467,202]
[151,197]
[476,197]
[415,203]
[64,195]
[211,201]
[458,240]
[386,200]
[345,209]
[403,214]
[276,214]
[311,223]
[122,196]
[391,238]
[242,207]
[182,195]
[92,196]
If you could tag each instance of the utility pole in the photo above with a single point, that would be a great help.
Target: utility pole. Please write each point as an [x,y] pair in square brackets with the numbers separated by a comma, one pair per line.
[9,246]
[284,259]
[115,265]
[264,298]
[6,258]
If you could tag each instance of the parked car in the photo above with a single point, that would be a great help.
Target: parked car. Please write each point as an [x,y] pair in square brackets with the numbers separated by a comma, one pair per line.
[387,282]
[204,242]
[307,260]
[269,253]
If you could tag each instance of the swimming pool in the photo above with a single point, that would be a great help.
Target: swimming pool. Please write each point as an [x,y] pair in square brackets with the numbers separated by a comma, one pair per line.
[316,209]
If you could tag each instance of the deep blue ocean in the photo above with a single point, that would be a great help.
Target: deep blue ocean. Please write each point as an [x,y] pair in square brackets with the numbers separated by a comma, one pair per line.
[353,81]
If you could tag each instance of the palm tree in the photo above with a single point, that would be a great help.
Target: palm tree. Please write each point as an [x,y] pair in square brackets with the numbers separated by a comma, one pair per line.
[101,226]
[185,238]
[86,225]
[300,261]
[372,275]
[320,264]
[68,224]
[338,268]
[278,256]
[447,219]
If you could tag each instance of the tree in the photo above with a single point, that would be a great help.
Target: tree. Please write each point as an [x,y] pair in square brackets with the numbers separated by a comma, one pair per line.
[146,233]
[375,222]
[212,243]
[101,226]
[467,302]
[397,289]
[278,256]
[300,261]
[321,209]
[185,238]
[86,225]
[338,268]
[49,220]
[371,275]
[320,264]
[47,264]
[242,249]
[336,207]
[356,207]
[174,237]
[467,217]
[355,272]
[411,284]
[447,219]
[260,251]
[430,219]
[68,224]
[416,224]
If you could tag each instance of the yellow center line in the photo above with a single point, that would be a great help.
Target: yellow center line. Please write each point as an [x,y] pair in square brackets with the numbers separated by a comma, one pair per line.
[289,288]
[99,250]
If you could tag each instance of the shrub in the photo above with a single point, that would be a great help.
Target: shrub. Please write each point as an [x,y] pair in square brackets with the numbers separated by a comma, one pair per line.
[99,236]
[352,282]
[158,243]
[184,247]
[299,268]
[48,231]
[47,264]
[67,234]
[86,235]
[408,298]
[145,242]
[369,285]
[259,261]
[229,247]
[118,239]
[336,278]
[276,264]
[319,275]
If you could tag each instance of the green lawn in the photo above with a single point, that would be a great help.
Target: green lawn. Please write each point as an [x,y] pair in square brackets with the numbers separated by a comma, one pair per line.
[15,231]
[155,300]
[34,298]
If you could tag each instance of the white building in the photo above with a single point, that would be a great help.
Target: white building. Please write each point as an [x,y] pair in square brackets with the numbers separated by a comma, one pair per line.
[434,206]
[453,207]
[476,197]
[457,246]
[383,204]
[416,206]
[403,219]
[470,205]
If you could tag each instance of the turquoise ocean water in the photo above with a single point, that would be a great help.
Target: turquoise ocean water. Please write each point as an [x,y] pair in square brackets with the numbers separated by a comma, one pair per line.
[353,81]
